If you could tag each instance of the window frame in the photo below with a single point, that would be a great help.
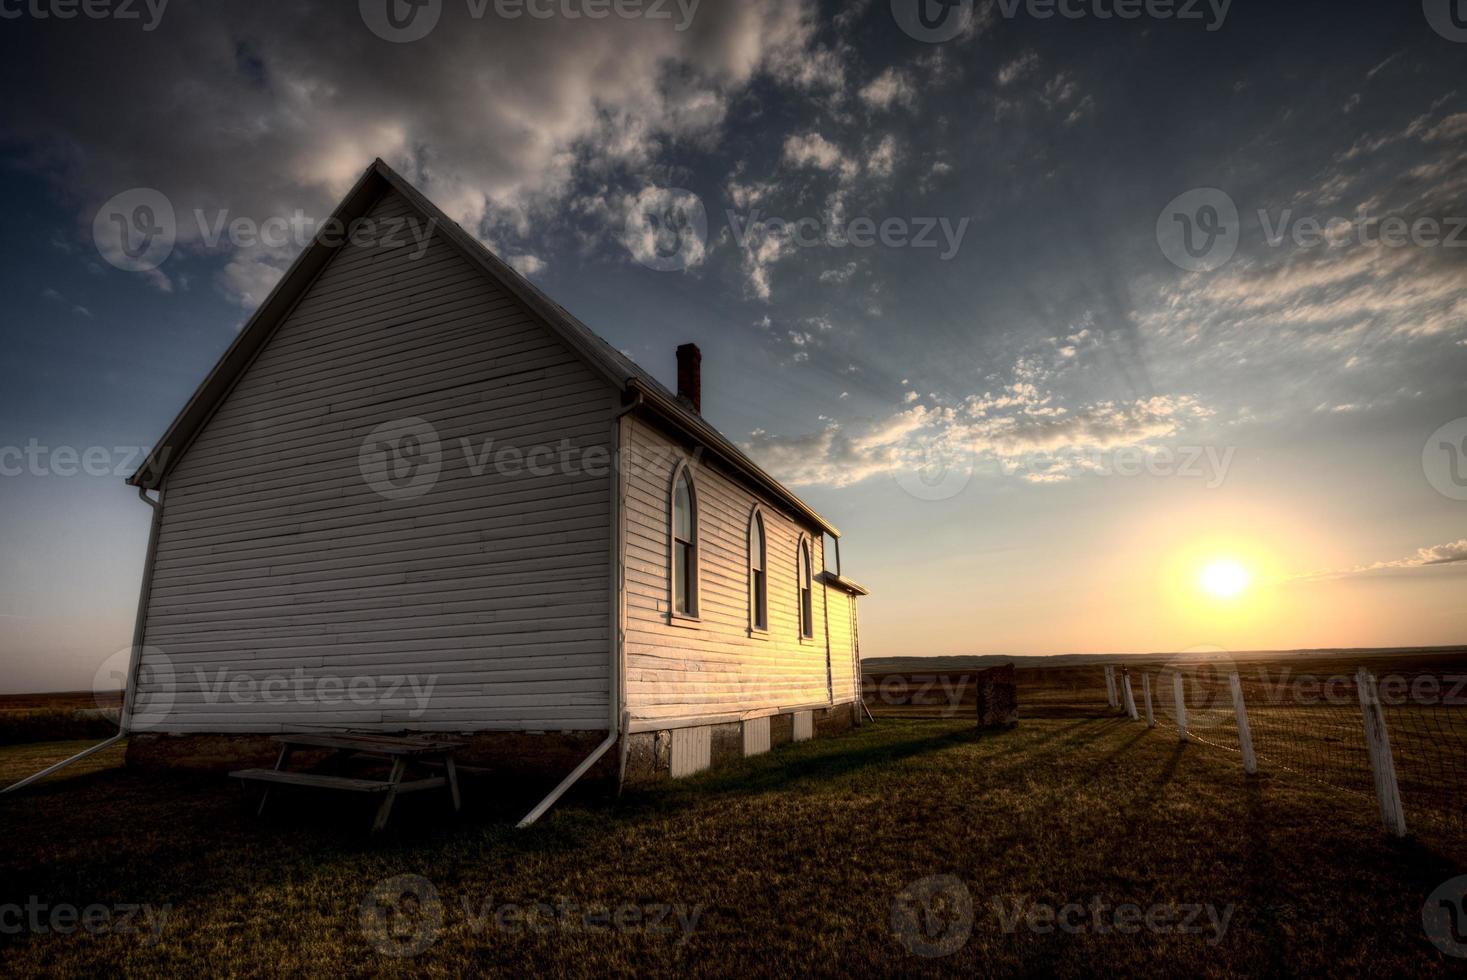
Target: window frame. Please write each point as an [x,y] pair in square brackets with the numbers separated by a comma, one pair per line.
[758,611]
[680,473]
[804,589]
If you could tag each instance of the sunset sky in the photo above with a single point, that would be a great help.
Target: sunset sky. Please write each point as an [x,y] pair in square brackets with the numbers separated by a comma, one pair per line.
[1042,435]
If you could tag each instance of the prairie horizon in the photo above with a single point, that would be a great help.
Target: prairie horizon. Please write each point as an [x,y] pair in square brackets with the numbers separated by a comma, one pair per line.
[882,488]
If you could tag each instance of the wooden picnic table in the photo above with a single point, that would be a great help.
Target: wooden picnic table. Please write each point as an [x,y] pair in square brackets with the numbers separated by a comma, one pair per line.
[404,751]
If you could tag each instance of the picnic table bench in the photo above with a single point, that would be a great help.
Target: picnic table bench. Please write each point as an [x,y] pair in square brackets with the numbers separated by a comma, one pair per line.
[402,750]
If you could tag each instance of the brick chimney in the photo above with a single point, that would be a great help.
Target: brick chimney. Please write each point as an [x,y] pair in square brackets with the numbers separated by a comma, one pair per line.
[690,377]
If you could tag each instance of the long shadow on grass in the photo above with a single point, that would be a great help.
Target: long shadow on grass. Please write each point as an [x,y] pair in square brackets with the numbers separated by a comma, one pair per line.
[789,766]
[823,762]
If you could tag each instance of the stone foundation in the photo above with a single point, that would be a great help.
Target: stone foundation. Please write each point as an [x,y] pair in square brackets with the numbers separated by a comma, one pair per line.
[525,759]
[649,754]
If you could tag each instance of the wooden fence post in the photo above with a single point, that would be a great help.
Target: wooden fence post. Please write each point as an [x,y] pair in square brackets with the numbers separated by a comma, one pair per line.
[1245,736]
[1382,763]
[1110,688]
[1130,697]
[1146,695]
[1179,701]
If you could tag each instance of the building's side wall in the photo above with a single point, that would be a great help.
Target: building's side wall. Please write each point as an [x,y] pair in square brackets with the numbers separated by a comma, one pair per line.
[842,618]
[279,562]
[717,670]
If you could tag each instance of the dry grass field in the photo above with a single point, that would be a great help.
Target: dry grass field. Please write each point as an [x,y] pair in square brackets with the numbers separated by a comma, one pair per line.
[912,846]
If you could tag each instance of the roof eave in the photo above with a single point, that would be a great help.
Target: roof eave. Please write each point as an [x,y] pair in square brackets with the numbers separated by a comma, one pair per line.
[844,584]
[702,432]
[251,338]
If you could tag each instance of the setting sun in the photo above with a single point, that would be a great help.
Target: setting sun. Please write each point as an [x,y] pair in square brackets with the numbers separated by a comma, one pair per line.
[1224,579]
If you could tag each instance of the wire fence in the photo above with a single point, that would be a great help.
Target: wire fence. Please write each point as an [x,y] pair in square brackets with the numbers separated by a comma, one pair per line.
[1394,738]
[1388,732]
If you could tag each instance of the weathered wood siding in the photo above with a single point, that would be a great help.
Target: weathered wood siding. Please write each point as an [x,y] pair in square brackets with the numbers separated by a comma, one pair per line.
[276,559]
[843,670]
[691,751]
[679,672]
[756,736]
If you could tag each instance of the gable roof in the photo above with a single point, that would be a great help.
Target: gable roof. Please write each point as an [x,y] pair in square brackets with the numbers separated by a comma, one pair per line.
[603,358]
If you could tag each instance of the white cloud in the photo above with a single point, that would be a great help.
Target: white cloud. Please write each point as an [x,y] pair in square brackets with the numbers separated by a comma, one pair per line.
[882,160]
[891,87]
[840,274]
[646,234]
[814,150]
[1451,553]
[1018,68]
[527,265]
[489,117]
[1021,427]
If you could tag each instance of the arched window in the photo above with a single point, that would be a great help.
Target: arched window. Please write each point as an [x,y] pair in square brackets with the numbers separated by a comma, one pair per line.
[684,544]
[807,612]
[758,579]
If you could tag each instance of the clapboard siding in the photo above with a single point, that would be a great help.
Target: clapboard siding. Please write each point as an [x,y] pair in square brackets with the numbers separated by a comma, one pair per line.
[716,667]
[843,677]
[276,559]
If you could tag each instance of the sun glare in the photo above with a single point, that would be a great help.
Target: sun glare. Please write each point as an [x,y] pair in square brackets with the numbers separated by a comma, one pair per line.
[1224,579]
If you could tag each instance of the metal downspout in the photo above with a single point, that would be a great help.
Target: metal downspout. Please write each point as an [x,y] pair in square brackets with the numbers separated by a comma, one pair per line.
[130,687]
[614,690]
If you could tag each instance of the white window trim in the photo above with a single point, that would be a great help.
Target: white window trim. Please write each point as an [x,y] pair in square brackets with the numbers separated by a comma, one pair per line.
[802,549]
[756,519]
[695,590]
